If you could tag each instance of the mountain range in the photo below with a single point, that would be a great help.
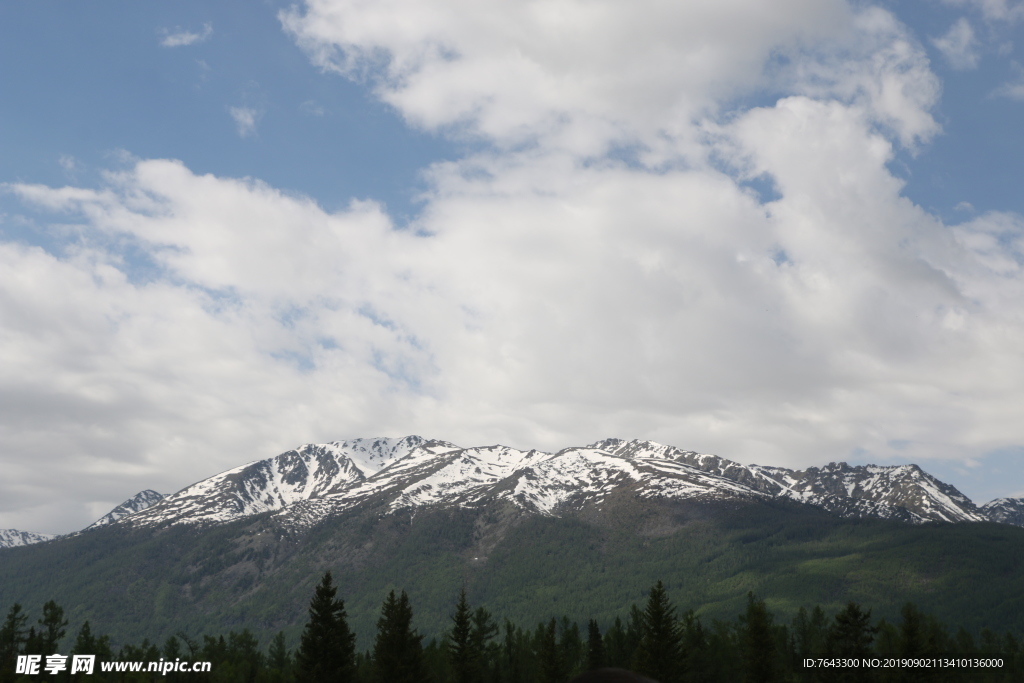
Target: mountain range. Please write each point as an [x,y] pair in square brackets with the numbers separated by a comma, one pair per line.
[581,532]
[302,487]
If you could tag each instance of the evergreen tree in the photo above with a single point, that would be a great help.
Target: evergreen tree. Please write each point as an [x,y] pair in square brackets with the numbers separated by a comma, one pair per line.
[595,646]
[481,639]
[758,642]
[88,644]
[615,648]
[398,648]
[460,650]
[552,666]
[243,656]
[12,641]
[571,646]
[697,663]
[33,642]
[327,648]
[811,632]
[911,632]
[54,626]
[634,632]
[279,659]
[171,650]
[85,642]
[518,658]
[851,634]
[660,651]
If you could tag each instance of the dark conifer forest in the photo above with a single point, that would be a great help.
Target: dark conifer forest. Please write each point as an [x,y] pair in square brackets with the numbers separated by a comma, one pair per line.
[657,639]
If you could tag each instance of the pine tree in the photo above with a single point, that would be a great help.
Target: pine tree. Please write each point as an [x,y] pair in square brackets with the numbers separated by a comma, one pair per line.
[327,649]
[660,651]
[615,646]
[552,665]
[595,646]
[12,641]
[85,642]
[54,626]
[481,639]
[758,642]
[850,637]
[851,634]
[810,632]
[398,648]
[697,661]
[278,658]
[460,650]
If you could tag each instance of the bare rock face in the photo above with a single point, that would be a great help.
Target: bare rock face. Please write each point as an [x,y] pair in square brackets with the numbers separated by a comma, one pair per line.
[139,502]
[1005,511]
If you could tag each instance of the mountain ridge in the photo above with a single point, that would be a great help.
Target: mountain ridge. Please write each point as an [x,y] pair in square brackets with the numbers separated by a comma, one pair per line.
[314,481]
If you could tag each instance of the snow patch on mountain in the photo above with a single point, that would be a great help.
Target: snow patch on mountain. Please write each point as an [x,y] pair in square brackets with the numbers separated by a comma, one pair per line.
[12,538]
[137,503]
[309,472]
[1005,511]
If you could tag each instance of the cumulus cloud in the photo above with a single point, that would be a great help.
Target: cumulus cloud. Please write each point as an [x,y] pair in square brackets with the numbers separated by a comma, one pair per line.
[549,293]
[181,38]
[583,76]
[959,46]
[245,119]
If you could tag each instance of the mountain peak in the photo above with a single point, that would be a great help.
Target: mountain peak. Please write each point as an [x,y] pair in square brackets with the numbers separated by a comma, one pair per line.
[140,501]
[10,538]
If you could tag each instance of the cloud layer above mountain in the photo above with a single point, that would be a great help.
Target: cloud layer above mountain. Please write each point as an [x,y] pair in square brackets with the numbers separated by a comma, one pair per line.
[674,221]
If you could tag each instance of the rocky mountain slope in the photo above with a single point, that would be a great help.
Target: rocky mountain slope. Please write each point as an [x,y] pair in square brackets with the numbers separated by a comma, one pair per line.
[316,481]
[1005,511]
[137,503]
[10,538]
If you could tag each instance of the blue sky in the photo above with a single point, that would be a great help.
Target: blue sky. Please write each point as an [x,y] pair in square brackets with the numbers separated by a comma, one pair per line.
[228,228]
[88,85]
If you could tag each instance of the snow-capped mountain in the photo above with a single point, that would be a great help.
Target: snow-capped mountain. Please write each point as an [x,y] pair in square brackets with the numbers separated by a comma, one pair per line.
[308,484]
[1005,510]
[904,492]
[9,538]
[310,471]
[137,503]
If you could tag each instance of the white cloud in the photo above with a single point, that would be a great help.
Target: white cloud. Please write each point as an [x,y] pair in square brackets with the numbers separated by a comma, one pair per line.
[584,75]
[959,46]
[548,294]
[245,119]
[181,38]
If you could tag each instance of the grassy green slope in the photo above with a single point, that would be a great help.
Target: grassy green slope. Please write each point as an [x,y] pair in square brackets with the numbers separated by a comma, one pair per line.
[252,575]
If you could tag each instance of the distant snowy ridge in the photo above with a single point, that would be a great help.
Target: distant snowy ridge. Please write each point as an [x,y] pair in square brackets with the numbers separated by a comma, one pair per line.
[310,471]
[315,481]
[1005,510]
[137,503]
[10,538]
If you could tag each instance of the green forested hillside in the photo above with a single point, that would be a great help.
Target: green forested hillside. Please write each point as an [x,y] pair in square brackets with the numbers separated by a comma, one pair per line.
[594,564]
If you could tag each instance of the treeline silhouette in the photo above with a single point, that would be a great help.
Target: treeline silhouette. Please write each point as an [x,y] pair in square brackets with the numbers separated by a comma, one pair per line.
[655,641]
